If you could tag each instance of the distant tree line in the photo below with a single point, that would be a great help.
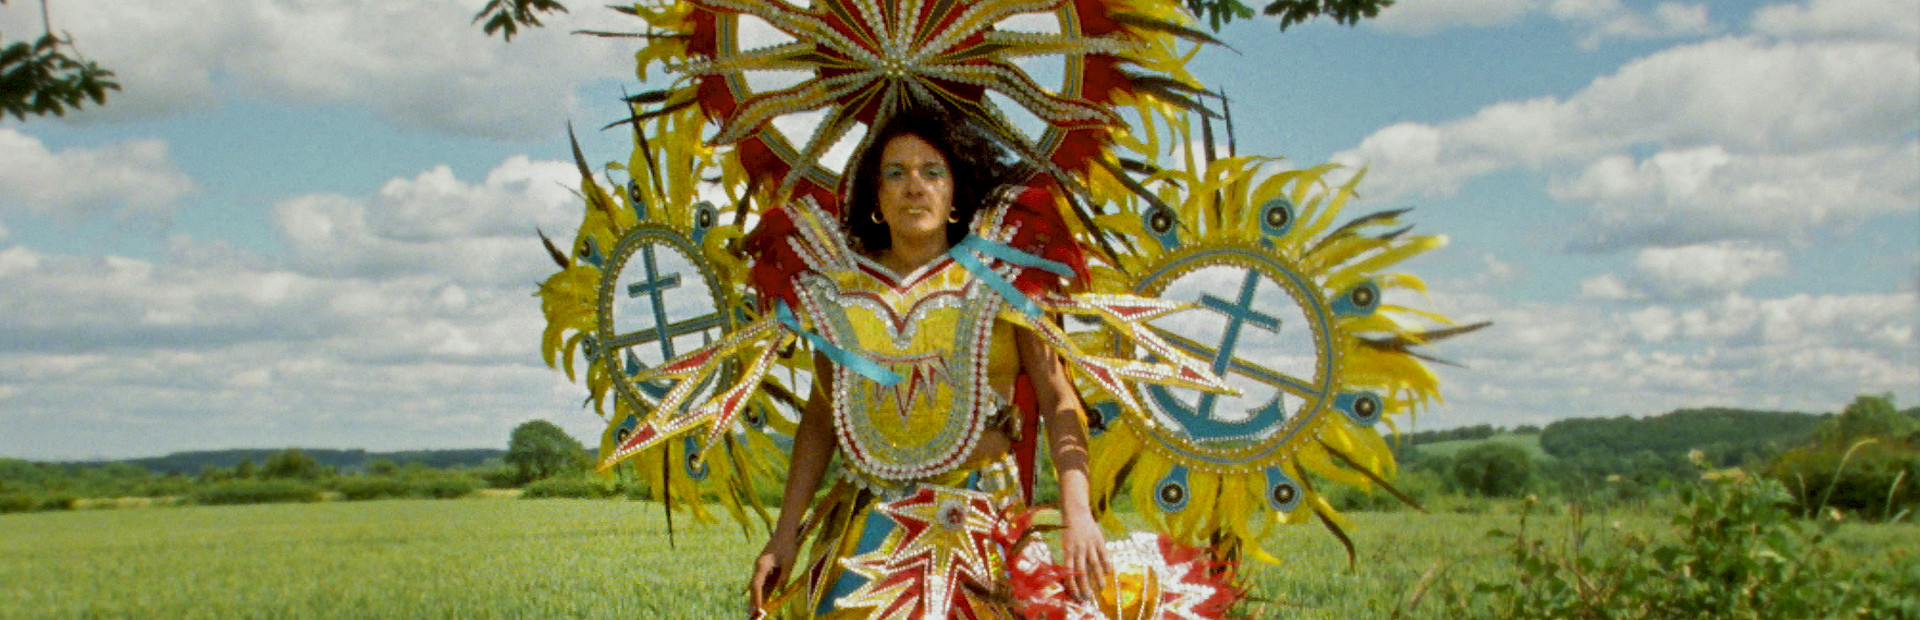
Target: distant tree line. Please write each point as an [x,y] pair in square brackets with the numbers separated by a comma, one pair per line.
[343,461]
[537,451]
[1863,461]
[1464,433]
[1727,436]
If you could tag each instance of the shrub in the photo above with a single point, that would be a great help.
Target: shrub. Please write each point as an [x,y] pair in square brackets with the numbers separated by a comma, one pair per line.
[449,486]
[18,502]
[568,488]
[498,476]
[358,488]
[59,501]
[1872,478]
[382,467]
[256,492]
[1420,486]
[1493,470]
[28,502]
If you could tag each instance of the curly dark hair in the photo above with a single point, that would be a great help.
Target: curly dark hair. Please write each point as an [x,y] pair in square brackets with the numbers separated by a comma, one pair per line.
[979,168]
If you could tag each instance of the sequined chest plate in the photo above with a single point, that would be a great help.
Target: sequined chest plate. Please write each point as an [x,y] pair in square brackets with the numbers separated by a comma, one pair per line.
[934,329]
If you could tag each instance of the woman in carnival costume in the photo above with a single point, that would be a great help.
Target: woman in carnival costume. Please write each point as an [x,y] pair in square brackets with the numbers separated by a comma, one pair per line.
[927,518]
[922,331]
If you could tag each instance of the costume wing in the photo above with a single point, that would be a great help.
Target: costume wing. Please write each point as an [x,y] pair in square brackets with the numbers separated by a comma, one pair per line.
[648,309]
[1293,315]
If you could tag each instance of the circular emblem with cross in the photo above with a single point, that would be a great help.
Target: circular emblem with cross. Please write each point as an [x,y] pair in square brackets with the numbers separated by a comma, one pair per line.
[659,298]
[1266,329]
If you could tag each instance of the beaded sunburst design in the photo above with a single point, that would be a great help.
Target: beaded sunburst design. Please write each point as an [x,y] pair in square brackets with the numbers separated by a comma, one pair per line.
[866,59]
[1294,316]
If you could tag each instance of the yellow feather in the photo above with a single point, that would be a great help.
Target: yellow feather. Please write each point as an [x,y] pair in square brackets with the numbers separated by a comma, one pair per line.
[1352,274]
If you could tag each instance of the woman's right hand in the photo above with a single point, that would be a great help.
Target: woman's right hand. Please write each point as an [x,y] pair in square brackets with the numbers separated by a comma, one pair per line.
[771,569]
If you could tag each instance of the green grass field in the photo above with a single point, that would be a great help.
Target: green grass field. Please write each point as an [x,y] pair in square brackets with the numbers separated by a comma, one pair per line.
[478,558]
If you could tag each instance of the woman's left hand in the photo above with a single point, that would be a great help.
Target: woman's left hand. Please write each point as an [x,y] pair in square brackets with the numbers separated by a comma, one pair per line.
[1085,548]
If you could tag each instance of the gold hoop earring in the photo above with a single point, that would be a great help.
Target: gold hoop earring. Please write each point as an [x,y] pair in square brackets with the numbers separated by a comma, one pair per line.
[875,216]
[952,218]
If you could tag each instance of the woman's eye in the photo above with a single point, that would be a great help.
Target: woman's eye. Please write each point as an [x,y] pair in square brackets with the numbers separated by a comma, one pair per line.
[893,174]
[935,172]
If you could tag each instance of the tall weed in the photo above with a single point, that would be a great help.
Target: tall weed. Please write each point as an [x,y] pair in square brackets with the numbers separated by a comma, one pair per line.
[1736,550]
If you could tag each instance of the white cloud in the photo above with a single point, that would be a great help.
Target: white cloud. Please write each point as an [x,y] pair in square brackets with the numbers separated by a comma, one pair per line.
[1607,286]
[1610,19]
[1688,272]
[1496,273]
[1750,139]
[437,224]
[1881,19]
[135,176]
[402,319]
[1594,20]
[1426,16]
[1708,194]
[1544,361]
[1716,268]
[421,63]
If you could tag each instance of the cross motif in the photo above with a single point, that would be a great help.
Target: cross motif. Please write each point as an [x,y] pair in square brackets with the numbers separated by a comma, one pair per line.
[655,287]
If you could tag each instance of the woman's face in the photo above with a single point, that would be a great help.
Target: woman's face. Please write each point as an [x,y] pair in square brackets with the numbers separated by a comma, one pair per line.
[916,189]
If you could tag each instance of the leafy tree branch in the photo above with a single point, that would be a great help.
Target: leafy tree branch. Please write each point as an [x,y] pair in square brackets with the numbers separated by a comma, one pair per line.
[507,16]
[1291,12]
[40,77]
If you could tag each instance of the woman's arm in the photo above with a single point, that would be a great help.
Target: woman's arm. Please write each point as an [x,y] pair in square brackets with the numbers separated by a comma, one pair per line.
[813,448]
[1082,542]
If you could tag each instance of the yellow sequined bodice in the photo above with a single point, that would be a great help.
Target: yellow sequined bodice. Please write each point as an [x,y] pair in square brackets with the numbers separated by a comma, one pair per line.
[938,329]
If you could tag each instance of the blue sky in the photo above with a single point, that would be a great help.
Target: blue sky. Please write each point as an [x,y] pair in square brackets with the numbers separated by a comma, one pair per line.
[310,223]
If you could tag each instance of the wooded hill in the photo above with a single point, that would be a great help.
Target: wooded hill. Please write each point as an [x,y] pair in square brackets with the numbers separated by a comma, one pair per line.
[344,461]
[1727,436]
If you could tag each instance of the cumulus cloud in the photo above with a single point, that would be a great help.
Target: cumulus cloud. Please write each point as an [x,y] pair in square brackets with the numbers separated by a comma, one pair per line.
[400,319]
[1875,19]
[437,224]
[1708,268]
[135,176]
[1749,138]
[1707,194]
[421,63]
[1607,286]
[1427,16]
[1689,272]
[1594,20]
[1545,361]
[1610,19]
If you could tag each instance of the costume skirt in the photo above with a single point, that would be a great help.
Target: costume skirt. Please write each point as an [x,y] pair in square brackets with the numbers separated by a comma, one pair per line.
[961,546]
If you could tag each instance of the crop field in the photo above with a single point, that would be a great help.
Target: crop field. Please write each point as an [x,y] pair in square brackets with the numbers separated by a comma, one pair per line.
[478,558]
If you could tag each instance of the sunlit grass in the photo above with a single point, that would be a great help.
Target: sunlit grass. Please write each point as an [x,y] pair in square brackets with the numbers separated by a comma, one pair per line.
[469,558]
[593,558]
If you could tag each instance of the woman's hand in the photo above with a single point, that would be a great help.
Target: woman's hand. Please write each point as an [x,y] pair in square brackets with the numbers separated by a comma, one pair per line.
[1085,548]
[771,569]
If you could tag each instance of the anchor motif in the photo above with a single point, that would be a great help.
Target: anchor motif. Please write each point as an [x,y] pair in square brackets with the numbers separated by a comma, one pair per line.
[1199,420]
